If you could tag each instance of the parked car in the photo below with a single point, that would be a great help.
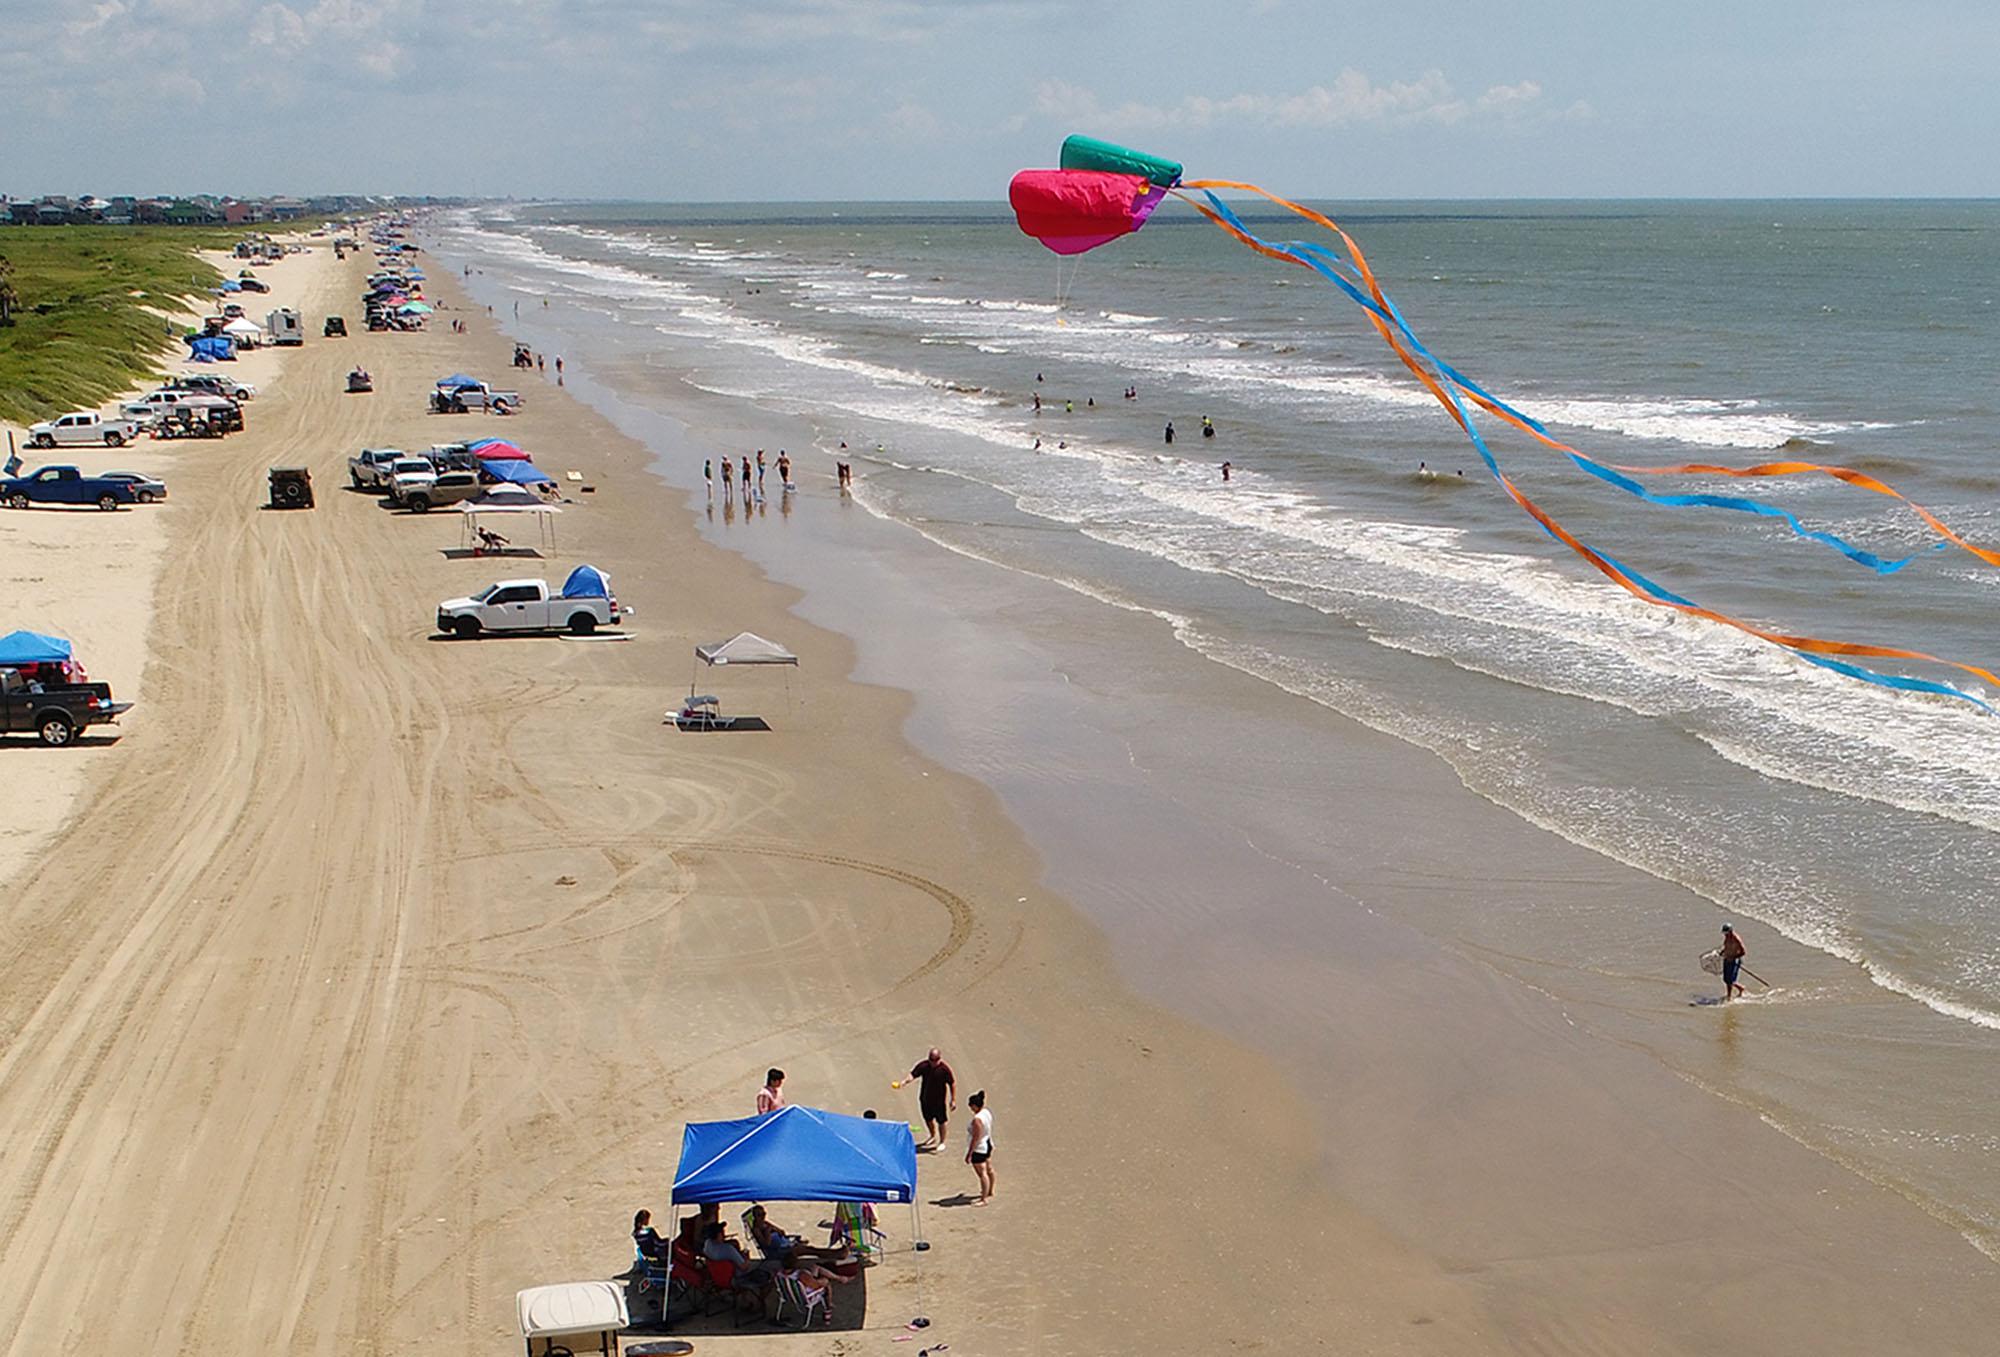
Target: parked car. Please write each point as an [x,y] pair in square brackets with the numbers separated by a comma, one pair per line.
[447,487]
[459,398]
[153,404]
[250,284]
[81,428]
[291,487]
[370,467]
[54,713]
[64,485]
[407,474]
[335,327]
[232,311]
[214,383]
[145,489]
[585,604]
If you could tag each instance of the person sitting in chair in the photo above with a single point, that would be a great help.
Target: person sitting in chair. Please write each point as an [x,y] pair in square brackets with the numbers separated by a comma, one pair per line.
[717,1246]
[647,1239]
[775,1243]
[815,1281]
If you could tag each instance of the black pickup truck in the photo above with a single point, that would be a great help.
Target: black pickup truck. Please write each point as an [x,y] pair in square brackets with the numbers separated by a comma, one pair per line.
[56,712]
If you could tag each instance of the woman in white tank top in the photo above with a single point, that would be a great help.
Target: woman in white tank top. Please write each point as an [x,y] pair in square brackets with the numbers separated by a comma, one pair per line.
[979,1146]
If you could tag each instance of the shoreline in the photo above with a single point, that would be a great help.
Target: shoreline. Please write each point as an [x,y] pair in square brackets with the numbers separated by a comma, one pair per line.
[413,956]
[1729,1124]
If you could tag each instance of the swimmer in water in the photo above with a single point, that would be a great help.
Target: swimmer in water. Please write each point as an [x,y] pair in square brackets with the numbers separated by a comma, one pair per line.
[1225,473]
[1170,433]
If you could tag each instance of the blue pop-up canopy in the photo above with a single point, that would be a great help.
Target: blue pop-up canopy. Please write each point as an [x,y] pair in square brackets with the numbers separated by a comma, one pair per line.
[31,647]
[797,1154]
[211,348]
[455,381]
[520,473]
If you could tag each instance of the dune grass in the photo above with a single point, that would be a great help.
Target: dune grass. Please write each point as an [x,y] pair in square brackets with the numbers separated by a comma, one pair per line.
[82,329]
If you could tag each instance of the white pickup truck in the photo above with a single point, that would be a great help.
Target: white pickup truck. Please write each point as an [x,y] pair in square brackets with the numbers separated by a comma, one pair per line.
[372,467]
[150,407]
[408,474]
[585,604]
[81,428]
[458,399]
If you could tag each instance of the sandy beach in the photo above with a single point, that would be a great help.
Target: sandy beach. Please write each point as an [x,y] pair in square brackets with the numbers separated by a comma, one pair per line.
[367,977]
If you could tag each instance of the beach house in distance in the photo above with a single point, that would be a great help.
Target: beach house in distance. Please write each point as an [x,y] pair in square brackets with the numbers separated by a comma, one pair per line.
[198,210]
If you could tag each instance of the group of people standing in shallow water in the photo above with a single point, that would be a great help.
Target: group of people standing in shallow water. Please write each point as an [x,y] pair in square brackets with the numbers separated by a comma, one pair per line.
[1131,394]
[752,492]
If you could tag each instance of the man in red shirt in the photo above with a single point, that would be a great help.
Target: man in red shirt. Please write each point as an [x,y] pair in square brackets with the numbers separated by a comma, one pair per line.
[937,1095]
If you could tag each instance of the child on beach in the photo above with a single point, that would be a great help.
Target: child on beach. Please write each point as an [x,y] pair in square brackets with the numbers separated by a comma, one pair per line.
[771,1097]
[760,473]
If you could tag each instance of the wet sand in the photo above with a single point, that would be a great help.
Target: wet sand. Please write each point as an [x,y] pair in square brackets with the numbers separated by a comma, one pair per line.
[376,975]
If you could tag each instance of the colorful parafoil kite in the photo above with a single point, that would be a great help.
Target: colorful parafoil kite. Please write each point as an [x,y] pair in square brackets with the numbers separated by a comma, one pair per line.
[1103,191]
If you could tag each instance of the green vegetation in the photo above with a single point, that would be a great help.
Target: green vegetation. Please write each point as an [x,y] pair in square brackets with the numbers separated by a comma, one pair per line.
[81,329]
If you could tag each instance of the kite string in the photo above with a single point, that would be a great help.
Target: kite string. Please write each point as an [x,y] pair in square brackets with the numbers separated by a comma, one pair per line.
[1380,314]
[1534,428]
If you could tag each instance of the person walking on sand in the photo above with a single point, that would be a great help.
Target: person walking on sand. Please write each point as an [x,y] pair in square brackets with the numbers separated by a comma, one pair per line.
[708,476]
[771,1097]
[746,480]
[937,1096]
[728,479]
[979,1146]
[1733,952]
[784,470]
[760,473]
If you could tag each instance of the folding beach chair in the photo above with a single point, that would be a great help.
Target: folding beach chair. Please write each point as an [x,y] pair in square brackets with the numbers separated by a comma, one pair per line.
[854,1228]
[793,1296]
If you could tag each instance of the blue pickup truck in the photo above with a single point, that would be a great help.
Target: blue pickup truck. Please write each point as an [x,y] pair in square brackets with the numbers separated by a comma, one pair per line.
[64,485]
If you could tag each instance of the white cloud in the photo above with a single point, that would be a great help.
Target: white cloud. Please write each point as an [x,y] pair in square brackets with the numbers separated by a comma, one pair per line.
[1351,100]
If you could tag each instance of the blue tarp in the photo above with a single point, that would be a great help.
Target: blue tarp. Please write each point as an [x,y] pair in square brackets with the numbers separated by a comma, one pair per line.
[586,581]
[31,647]
[211,348]
[520,473]
[797,1154]
[231,285]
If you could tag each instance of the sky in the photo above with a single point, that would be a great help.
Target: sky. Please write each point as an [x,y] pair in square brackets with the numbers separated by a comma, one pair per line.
[781,100]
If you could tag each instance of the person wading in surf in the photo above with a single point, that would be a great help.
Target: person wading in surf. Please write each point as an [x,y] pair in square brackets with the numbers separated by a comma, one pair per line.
[1733,952]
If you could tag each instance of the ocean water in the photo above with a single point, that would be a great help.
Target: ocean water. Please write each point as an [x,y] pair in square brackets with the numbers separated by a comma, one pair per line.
[1857,820]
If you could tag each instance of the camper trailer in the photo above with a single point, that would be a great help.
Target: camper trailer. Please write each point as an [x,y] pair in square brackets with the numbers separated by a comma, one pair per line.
[285,326]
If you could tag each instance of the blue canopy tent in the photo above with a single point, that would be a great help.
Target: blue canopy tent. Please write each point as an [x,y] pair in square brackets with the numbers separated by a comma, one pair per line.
[455,381]
[800,1154]
[211,349]
[797,1154]
[31,647]
[519,473]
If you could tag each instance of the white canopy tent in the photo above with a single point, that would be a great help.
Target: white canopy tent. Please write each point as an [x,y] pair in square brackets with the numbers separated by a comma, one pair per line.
[507,500]
[248,334]
[745,647]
